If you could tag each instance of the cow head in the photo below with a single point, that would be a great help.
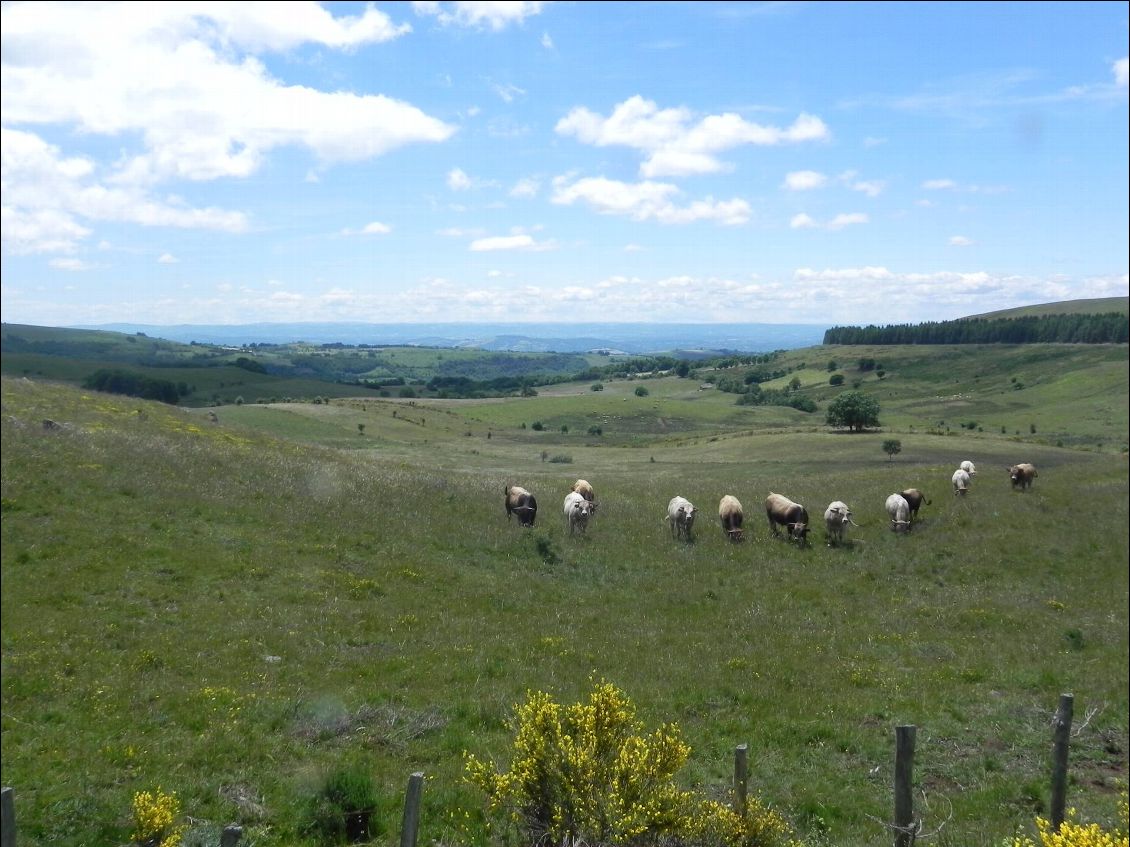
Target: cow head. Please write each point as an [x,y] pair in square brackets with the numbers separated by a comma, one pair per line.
[736,535]
[798,531]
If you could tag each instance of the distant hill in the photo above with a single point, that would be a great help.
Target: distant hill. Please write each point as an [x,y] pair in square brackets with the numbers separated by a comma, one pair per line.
[1097,306]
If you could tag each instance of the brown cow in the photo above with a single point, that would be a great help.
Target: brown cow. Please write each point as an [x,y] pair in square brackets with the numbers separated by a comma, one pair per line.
[1022,475]
[520,502]
[730,513]
[781,511]
[914,499]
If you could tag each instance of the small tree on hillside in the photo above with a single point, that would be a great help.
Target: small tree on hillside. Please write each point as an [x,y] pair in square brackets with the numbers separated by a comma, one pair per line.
[854,410]
[892,447]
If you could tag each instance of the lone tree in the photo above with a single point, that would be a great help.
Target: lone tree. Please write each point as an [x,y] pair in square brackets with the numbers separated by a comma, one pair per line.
[892,447]
[854,410]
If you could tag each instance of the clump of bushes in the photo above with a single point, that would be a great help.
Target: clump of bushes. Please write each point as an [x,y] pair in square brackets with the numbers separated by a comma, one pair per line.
[155,815]
[586,772]
[1074,834]
[344,808]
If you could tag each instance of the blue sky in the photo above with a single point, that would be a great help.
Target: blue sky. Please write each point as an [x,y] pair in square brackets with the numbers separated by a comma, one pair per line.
[828,163]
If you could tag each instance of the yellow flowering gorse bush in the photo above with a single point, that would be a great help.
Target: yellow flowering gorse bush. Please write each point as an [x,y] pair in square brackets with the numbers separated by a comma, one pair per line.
[155,819]
[1073,834]
[586,772]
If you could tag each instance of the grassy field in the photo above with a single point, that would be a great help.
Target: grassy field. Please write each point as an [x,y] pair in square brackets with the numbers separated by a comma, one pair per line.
[231,609]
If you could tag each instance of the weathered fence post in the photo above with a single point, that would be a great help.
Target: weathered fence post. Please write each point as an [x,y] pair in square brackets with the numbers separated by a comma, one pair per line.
[1062,737]
[7,819]
[410,826]
[905,830]
[741,776]
[231,835]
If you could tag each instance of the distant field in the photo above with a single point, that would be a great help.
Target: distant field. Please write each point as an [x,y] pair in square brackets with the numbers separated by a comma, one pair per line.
[231,608]
[1071,307]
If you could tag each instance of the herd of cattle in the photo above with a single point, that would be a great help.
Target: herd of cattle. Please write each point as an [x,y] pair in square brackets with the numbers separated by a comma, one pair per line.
[781,512]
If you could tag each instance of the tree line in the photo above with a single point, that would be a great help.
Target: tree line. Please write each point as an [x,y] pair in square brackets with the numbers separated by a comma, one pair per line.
[1108,328]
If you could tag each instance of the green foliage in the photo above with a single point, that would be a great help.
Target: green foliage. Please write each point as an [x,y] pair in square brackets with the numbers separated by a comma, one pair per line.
[133,384]
[1107,328]
[587,772]
[537,426]
[561,459]
[156,819]
[343,807]
[836,379]
[641,391]
[853,410]
[597,386]
[892,447]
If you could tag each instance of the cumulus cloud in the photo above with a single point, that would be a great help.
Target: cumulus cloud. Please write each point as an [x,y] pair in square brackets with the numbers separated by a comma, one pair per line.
[480,14]
[517,241]
[805,180]
[673,142]
[645,201]
[70,264]
[939,184]
[167,259]
[45,193]
[527,187]
[205,106]
[802,221]
[960,241]
[374,228]
[1121,70]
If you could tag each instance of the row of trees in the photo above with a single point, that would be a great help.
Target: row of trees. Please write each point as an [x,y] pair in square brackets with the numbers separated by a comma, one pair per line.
[136,385]
[1109,328]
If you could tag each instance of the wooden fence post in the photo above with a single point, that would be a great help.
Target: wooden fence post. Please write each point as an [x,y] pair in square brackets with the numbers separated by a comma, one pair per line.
[7,819]
[905,830]
[1062,737]
[410,826]
[741,776]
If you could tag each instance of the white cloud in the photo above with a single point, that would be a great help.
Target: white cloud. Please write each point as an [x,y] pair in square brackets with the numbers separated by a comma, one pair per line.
[167,259]
[508,93]
[44,193]
[643,201]
[527,187]
[457,180]
[872,188]
[546,41]
[70,264]
[804,221]
[960,241]
[374,228]
[204,107]
[1121,71]
[939,184]
[508,242]
[840,221]
[480,14]
[804,180]
[633,248]
[675,145]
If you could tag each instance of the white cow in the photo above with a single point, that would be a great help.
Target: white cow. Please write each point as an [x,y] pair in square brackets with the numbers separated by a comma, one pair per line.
[969,468]
[899,510]
[680,514]
[961,482]
[836,519]
[577,510]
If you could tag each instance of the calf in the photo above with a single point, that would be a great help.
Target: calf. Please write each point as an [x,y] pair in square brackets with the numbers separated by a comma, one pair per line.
[960,481]
[680,514]
[730,513]
[781,511]
[899,511]
[520,502]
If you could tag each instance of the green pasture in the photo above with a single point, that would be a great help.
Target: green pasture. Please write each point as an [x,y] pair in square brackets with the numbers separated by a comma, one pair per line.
[230,609]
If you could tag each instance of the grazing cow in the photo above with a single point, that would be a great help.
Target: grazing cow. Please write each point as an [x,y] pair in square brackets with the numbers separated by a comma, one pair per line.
[578,510]
[582,487]
[730,513]
[960,482]
[781,511]
[520,502]
[914,499]
[1022,475]
[680,514]
[836,519]
[969,468]
[899,510]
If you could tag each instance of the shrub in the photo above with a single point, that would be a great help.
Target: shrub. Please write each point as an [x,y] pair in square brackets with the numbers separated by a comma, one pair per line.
[641,391]
[596,386]
[892,446]
[596,430]
[586,772]
[561,459]
[836,379]
[1072,834]
[343,807]
[154,819]
[537,426]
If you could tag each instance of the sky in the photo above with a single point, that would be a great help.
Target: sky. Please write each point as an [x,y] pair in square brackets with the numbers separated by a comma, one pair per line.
[764,162]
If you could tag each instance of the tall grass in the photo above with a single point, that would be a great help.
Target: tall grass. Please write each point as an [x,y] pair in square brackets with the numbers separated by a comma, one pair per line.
[232,615]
